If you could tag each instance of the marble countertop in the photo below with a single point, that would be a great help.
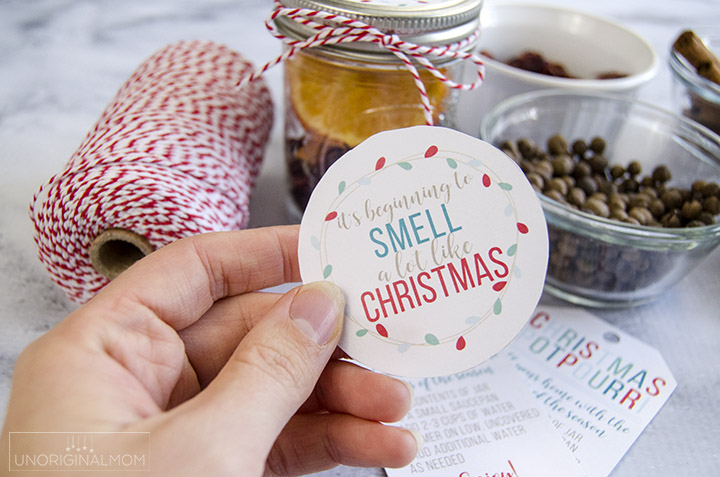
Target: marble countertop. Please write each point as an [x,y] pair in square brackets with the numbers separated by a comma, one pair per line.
[62,61]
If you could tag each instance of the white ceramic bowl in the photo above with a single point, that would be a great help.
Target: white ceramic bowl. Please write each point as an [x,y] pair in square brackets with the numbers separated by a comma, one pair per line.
[586,45]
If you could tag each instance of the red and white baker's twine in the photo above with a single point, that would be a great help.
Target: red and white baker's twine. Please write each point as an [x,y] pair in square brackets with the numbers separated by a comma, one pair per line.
[333,29]
[175,154]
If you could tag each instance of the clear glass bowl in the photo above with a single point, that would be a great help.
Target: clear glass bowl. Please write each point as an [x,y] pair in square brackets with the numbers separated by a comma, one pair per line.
[696,97]
[601,262]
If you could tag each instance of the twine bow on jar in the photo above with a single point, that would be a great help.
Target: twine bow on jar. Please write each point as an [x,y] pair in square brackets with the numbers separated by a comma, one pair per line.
[333,29]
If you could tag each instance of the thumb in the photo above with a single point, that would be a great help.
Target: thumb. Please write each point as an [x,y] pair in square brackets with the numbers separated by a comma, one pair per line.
[274,369]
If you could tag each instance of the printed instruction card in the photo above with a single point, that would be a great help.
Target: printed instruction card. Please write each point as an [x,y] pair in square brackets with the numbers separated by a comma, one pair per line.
[569,378]
[484,422]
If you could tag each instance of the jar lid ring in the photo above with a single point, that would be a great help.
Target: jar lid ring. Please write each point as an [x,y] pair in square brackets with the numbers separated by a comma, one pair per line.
[406,17]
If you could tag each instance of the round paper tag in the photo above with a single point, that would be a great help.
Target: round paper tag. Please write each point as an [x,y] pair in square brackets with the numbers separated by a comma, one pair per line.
[438,242]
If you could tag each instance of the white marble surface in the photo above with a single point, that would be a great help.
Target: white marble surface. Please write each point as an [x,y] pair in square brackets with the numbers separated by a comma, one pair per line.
[61,62]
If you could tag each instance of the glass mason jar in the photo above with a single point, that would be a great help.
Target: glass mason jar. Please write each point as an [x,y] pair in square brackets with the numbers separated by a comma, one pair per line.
[697,97]
[336,96]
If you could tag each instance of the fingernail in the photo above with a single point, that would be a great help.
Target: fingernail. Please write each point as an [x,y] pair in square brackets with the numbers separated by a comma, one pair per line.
[418,438]
[317,310]
[411,390]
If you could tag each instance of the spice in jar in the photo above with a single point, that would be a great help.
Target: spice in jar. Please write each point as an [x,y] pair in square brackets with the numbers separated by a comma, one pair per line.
[338,93]
[332,108]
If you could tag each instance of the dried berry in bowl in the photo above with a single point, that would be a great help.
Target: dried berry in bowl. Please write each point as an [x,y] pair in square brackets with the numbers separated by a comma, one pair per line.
[535,62]
[581,176]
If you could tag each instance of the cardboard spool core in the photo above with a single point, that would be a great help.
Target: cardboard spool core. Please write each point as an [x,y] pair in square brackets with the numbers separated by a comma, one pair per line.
[115,250]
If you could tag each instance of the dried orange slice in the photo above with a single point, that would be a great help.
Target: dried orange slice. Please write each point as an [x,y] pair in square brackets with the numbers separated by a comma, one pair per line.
[350,103]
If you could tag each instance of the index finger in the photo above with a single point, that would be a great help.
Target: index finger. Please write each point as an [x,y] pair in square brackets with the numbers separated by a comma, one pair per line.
[181,281]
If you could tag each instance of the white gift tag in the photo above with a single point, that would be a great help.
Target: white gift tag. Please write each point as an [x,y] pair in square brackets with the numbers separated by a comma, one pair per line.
[484,422]
[599,385]
[439,244]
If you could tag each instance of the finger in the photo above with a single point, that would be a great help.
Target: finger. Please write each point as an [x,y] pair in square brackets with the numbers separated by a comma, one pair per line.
[272,372]
[186,386]
[180,282]
[349,389]
[135,319]
[210,341]
[312,443]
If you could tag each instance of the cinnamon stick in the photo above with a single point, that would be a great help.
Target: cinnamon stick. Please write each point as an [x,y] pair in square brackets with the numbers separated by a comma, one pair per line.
[707,65]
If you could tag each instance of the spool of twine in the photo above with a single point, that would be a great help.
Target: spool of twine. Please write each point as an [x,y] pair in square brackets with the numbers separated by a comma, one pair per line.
[176,153]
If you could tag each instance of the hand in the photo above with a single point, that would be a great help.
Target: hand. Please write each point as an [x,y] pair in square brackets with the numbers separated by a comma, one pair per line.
[226,380]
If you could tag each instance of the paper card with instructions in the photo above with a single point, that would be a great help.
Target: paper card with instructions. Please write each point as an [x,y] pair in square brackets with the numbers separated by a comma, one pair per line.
[438,242]
[597,388]
[484,423]
[600,386]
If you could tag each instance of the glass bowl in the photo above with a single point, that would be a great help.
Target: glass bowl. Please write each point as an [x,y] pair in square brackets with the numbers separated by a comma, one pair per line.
[696,97]
[602,262]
